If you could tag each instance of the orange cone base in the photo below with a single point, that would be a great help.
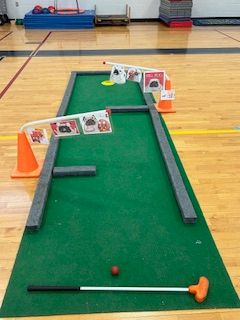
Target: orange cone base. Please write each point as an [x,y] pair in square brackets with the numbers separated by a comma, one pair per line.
[164,110]
[33,174]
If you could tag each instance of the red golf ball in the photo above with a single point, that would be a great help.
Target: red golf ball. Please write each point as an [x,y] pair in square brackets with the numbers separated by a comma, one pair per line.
[115,270]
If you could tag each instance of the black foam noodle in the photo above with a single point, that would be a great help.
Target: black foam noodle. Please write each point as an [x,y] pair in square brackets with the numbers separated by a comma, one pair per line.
[41,194]
[40,198]
[74,171]
[184,202]
[126,109]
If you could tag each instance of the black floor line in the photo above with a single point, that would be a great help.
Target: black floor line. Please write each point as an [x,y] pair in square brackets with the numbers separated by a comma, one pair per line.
[156,51]
[104,52]
[17,53]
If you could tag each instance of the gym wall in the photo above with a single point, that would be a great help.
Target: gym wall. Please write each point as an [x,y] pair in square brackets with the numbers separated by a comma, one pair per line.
[216,8]
[140,9]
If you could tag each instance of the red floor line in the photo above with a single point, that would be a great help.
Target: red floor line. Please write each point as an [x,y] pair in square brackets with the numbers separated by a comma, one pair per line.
[225,34]
[69,30]
[39,46]
[2,93]
[6,35]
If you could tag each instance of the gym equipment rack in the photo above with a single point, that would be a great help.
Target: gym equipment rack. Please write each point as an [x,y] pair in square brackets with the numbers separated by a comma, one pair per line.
[113,19]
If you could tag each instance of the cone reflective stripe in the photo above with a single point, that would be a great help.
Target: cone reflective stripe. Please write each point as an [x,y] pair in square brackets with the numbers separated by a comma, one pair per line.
[27,165]
[165,106]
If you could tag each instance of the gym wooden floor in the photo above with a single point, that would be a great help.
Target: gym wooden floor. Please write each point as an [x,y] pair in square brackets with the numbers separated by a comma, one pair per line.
[203,128]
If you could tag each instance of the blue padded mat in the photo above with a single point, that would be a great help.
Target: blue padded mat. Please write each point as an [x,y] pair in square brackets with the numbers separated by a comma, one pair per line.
[58,21]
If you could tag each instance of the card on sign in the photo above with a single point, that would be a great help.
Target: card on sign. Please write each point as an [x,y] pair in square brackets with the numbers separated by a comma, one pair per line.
[118,74]
[65,128]
[95,122]
[134,74]
[168,94]
[153,81]
[38,135]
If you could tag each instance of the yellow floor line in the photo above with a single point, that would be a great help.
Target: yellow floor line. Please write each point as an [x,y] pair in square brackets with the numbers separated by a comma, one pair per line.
[8,137]
[172,132]
[189,132]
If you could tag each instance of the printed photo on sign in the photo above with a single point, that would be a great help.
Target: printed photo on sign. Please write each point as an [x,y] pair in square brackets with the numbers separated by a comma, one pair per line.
[168,94]
[96,122]
[153,81]
[38,135]
[134,74]
[65,128]
[118,74]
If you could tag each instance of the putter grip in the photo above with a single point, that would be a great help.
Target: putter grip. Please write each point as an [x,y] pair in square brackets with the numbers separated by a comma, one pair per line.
[53,288]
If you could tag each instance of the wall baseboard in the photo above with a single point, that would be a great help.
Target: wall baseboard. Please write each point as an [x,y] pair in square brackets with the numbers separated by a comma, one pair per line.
[145,20]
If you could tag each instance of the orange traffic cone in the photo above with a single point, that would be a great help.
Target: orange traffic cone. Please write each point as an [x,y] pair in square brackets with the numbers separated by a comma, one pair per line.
[27,165]
[165,106]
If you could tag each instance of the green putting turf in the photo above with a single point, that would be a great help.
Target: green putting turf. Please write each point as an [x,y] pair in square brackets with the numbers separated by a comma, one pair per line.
[126,215]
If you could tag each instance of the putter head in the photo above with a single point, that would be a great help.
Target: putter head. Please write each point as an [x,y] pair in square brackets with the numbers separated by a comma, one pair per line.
[200,290]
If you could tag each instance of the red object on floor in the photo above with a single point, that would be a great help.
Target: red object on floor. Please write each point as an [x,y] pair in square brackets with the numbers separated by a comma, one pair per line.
[180,24]
[115,270]
[176,23]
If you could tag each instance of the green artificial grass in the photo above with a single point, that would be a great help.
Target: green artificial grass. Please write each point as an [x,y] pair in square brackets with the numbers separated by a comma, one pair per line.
[126,215]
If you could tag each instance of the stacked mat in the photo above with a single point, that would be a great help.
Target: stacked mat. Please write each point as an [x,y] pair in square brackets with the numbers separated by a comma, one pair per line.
[176,13]
[59,21]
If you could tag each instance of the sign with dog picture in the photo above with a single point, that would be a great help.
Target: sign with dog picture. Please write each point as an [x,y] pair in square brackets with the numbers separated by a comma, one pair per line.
[118,74]
[168,94]
[38,136]
[95,122]
[153,81]
[65,128]
[134,74]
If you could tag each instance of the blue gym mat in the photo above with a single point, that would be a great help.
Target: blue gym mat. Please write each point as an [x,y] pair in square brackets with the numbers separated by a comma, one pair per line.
[216,21]
[58,21]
